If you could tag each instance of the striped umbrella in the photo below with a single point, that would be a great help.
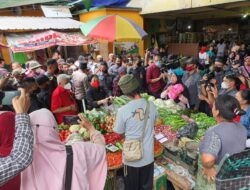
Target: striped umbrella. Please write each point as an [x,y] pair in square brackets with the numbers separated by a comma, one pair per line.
[113,28]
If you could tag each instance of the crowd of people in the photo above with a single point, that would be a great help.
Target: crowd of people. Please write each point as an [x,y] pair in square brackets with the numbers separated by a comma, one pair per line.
[217,83]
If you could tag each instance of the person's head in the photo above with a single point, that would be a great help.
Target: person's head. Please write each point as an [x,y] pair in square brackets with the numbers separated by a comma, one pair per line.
[45,128]
[157,60]
[43,81]
[94,81]
[29,84]
[70,61]
[218,65]
[122,71]
[111,57]
[103,67]
[64,81]
[35,67]
[229,82]
[221,41]
[60,63]
[83,66]
[242,47]
[243,97]
[191,65]
[2,63]
[175,79]
[226,108]
[211,48]
[52,66]
[16,65]
[7,132]
[19,74]
[118,61]
[99,58]
[56,55]
[247,61]
[129,85]
[65,68]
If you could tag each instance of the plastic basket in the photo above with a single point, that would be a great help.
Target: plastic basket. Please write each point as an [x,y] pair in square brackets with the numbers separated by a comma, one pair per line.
[234,173]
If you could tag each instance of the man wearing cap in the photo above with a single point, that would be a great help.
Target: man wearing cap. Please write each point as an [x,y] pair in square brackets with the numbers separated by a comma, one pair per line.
[62,103]
[44,96]
[80,84]
[130,122]
[18,75]
[34,69]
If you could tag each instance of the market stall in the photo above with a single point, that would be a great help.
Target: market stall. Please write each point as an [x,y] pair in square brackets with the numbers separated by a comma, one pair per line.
[177,135]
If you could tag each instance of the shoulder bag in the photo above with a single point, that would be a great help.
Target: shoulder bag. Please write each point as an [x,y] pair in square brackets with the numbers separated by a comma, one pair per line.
[133,149]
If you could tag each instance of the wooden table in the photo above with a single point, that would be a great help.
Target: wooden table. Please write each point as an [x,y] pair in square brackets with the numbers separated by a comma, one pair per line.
[179,182]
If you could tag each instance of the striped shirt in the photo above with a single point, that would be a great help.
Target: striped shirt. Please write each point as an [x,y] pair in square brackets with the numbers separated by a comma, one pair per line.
[21,154]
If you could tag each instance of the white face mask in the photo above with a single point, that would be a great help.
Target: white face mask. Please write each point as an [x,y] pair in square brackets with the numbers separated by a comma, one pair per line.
[67,86]
[224,85]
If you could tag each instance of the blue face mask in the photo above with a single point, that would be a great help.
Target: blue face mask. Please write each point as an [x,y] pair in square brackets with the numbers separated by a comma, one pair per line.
[158,64]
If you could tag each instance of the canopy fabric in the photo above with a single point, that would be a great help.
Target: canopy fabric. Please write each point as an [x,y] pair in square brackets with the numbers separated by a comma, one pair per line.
[101,3]
[35,41]
[37,23]
[16,3]
[113,28]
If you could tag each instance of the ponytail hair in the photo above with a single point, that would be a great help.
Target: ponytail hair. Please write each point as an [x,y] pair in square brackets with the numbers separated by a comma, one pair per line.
[228,107]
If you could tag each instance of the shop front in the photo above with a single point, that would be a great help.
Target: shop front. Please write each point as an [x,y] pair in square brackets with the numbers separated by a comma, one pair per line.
[34,37]
[194,24]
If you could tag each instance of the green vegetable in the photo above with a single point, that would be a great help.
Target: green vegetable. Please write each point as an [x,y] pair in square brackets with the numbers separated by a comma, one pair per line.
[118,145]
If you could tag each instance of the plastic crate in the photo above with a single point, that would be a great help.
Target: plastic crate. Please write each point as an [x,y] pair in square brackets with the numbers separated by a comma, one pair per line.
[234,173]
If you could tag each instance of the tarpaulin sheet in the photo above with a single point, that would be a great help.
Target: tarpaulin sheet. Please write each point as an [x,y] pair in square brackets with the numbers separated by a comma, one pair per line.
[35,41]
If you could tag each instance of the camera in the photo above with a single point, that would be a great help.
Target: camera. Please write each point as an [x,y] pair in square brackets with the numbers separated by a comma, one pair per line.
[209,76]
[169,63]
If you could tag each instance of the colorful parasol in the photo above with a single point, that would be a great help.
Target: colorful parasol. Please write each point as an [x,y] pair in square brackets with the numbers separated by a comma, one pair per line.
[113,28]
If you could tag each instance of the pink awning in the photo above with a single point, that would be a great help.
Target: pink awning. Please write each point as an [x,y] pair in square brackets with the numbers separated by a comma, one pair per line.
[35,41]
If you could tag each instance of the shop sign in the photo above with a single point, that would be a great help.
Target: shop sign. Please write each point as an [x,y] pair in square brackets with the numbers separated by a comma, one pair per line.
[56,11]
[36,41]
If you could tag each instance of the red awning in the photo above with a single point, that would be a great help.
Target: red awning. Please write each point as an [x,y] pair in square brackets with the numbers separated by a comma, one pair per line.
[35,41]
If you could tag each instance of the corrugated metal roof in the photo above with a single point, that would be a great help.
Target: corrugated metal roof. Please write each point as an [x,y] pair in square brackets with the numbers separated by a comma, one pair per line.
[16,3]
[37,23]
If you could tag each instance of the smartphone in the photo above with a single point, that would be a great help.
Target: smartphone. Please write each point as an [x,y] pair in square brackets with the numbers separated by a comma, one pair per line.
[8,96]
[71,119]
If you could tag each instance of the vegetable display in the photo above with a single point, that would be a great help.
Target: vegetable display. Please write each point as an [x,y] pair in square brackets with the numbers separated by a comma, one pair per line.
[114,160]
[204,122]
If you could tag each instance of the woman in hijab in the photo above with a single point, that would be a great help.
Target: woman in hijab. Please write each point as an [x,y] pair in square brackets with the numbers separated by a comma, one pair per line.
[48,168]
[176,90]
[7,135]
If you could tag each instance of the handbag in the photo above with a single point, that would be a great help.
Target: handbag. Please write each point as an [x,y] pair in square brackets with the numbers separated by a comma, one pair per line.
[69,168]
[133,149]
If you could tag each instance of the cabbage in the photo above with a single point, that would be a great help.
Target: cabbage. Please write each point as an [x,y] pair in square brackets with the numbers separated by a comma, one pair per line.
[151,98]
[84,133]
[74,128]
[159,103]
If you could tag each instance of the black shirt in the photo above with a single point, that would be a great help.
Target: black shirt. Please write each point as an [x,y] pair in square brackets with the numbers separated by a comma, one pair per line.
[93,95]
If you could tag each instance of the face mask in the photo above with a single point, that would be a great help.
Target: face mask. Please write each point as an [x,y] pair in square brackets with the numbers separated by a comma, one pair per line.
[95,84]
[218,69]
[67,86]
[158,64]
[38,70]
[224,85]
[189,68]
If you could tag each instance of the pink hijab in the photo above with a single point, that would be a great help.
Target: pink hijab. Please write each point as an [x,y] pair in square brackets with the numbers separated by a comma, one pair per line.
[48,168]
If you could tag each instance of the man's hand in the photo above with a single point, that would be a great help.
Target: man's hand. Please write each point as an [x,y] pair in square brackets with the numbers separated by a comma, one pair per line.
[210,174]
[21,103]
